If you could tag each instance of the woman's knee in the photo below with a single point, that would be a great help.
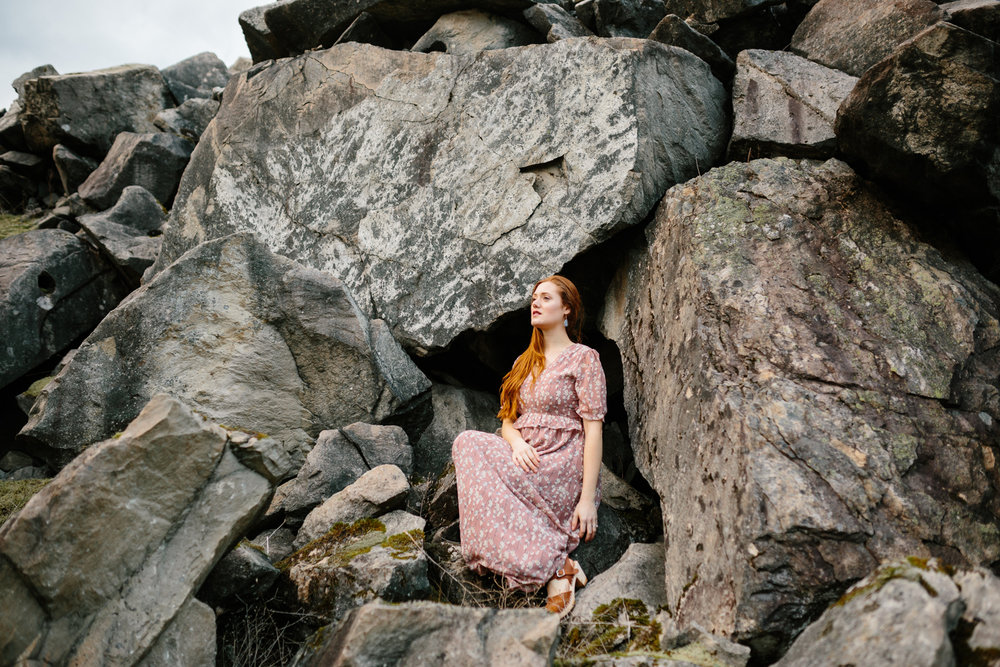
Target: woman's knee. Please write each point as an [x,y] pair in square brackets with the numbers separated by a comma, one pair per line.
[462,441]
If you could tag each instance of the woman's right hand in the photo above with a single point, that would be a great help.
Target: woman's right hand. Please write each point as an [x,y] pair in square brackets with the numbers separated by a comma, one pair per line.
[525,456]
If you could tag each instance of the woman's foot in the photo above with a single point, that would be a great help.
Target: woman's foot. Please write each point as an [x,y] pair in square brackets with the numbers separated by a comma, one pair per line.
[562,588]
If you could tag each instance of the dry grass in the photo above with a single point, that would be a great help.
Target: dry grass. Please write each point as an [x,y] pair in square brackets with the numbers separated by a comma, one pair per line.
[14,224]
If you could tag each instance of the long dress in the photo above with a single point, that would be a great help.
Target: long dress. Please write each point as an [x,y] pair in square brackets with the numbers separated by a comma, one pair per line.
[517,523]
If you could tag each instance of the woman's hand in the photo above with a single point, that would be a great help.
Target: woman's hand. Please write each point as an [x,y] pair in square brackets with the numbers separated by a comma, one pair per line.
[585,516]
[525,455]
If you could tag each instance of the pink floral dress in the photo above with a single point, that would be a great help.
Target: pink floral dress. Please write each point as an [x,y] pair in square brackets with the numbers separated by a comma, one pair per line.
[517,523]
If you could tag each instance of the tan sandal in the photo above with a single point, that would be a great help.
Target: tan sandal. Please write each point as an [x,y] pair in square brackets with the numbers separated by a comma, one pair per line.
[562,603]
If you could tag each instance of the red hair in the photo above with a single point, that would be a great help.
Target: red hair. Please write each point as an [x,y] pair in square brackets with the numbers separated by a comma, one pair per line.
[532,360]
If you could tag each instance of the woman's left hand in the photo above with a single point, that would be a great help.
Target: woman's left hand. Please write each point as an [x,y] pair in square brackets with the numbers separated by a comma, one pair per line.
[585,516]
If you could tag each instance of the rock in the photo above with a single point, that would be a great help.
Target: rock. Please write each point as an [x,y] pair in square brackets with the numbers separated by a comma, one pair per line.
[265,456]
[243,574]
[853,35]
[835,399]
[14,459]
[15,190]
[623,18]
[276,543]
[264,344]
[339,458]
[240,65]
[86,111]
[979,16]
[900,615]
[42,70]
[612,540]
[471,31]
[154,161]
[54,290]
[486,198]
[441,506]
[978,631]
[672,30]
[11,134]
[925,119]
[188,640]
[27,398]
[455,410]
[261,42]
[784,104]
[366,30]
[555,22]
[28,472]
[136,209]
[710,11]
[639,575]
[26,164]
[128,235]
[354,563]
[380,490]
[196,77]
[698,644]
[422,633]
[640,514]
[73,169]
[189,120]
[176,499]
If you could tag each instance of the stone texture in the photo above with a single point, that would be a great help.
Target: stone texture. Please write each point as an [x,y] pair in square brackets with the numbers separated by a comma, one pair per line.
[455,410]
[366,30]
[978,632]
[853,35]
[73,169]
[264,344]
[710,11]
[11,133]
[478,195]
[609,544]
[86,111]
[979,16]
[176,497]
[555,22]
[424,633]
[53,289]
[380,490]
[471,31]
[196,77]
[817,391]
[622,18]
[189,640]
[638,575]
[25,164]
[674,31]
[154,161]
[128,234]
[188,120]
[244,574]
[15,190]
[784,104]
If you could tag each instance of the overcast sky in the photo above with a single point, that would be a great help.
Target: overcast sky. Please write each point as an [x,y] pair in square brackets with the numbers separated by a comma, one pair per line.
[82,35]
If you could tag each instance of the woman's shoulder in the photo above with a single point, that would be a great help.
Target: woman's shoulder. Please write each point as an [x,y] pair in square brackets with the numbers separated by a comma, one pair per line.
[581,351]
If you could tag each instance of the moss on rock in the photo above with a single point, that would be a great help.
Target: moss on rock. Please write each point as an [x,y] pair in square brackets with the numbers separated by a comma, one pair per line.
[15,494]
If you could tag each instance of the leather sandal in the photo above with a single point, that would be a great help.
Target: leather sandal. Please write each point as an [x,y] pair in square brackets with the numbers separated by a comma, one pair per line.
[562,603]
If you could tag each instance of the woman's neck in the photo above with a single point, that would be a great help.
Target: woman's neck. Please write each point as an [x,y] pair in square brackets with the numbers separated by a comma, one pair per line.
[555,340]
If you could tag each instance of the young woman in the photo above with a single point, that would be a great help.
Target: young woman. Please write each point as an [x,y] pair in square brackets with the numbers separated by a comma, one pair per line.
[527,499]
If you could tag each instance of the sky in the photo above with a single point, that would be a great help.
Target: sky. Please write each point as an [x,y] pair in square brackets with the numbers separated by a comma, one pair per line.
[78,35]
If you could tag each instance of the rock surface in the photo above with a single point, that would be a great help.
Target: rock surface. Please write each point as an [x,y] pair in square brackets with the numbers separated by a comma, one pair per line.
[76,592]
[188,640]
[128,234]
[474,201]
[243,574]
[638,575]
[189,120]
[979,16]
[673,30]
[470,31]
[154,161]
[710,11]
[264,344]
[622,18]
[810,408]
[73,169]
[196,77]
[555,22]
[455,410]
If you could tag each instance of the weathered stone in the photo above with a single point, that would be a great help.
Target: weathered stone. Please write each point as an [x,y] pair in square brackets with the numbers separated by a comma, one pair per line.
[86,111]
[25,164]
[925,119]
[14,459]
[641,514]
[15,190]
[154,161]
[243,574]
[853,35]
[73,169]
[710,11]
[555,22]
[380,490]
[196,77]
[265,456]
[813,408]
[424,633]
[42,70]
[900,615]
[11,134]
[978,632]
[674,31]
[623,18]
[441,506]
[638,575]
[608,545]
[276,543]
[471,31]
[701,646]
[365,30]
[176,499]
[979,16]
[28,472]
[784,104]
[54,290]
[128,235]
[189,640]
[189,120]
[264,344]
[455,410]
[601,128]
[240,65]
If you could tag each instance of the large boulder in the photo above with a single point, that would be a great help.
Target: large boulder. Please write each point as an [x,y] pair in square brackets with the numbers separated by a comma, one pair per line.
[53,290]
[128,234]
[622,18]
[86,111]
[455,410]
[710,11]
[196,77]
[638,575]
[471,30]
[810,389]
[555,22]
[675,31]
[11,132]
[154,161]
[188,120]
[73,169]
[100,562]
[445,186]
[263,344]
[853,35]
[979,16]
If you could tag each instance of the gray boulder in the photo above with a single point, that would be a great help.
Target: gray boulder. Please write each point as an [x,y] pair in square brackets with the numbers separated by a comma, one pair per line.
[128,234]
[555,22]
[86,111]
[673,30]
[424,633]
[366,30]
[978,630]
[245,574]
[711,11]
[471,31]
[979,16]
[638,575]
[455,410]
[15,190]
[26,164]
[853,35]
[196,77]
[189,120]
[608,545]
[264,344]
[53,289]
[188,640]
[574,141]
[154,161]
[11,133]
[622,18]
[73,169]
[784,104]
[76,592]
[814,409]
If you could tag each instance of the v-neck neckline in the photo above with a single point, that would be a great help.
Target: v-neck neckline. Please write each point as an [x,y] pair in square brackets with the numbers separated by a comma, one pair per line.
[558,357]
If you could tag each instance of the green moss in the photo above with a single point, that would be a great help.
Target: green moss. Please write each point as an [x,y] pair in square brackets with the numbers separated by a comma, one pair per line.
[404,546]
[341,543]
[36,387]
[248,431]
[621,626]
[14,224]
[250,545]
[15,494]
[909,569]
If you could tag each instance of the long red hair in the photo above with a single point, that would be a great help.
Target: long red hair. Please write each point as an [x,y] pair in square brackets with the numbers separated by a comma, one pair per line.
[532,360]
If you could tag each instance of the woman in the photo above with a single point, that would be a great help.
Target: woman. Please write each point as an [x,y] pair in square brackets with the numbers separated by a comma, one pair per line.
[527,499]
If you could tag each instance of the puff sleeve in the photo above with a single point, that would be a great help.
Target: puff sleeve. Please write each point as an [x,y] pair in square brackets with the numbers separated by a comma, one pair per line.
[591,387]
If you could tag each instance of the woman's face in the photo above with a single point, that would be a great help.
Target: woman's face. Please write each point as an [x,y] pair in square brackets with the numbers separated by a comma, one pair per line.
[547,308]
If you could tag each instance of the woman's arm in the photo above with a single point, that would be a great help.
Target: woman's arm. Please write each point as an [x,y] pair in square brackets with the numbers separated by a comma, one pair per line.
[524,455]
[585,514]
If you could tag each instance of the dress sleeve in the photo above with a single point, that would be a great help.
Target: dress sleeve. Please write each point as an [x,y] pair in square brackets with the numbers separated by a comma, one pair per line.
[591,388]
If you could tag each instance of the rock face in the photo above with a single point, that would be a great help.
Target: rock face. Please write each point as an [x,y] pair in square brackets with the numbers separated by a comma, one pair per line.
[128,233]
[53,290]
[73,169]
[154,161]
[710,11]
[190,119]
[455,410]
[555,22]
[853,35]
[100,562]
[806,408]
[471,31]
[979,16]
[674,31]
[87,111]
[638,575]
[622,18]
[445,186]
[784,104]
[263,344]
[196,77]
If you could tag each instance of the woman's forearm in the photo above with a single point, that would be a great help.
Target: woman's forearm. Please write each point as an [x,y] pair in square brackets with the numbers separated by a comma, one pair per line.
[509,433]
[593,450]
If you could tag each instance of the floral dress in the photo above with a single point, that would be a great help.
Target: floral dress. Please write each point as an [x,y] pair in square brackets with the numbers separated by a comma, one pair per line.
[517,523]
